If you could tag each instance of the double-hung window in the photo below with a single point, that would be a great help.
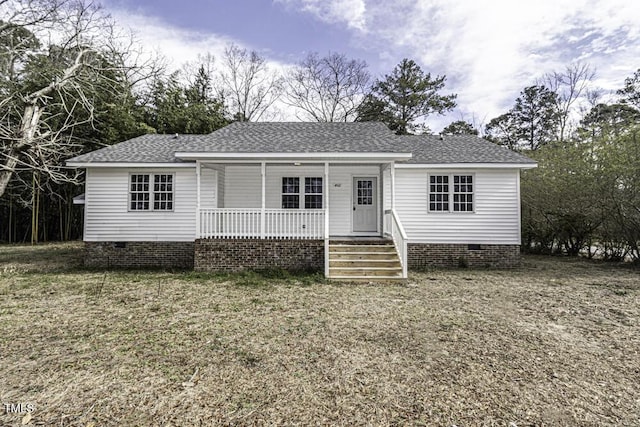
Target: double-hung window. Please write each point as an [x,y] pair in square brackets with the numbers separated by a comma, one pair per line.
[290,193]
[463,193]
[151,192]
[451,193]
[297,196]
[313,193]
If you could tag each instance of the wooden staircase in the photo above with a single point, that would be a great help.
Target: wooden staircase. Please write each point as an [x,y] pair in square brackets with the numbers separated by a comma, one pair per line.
[364,260]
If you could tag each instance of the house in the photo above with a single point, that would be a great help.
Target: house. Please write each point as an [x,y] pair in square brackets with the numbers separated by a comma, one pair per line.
[351,199]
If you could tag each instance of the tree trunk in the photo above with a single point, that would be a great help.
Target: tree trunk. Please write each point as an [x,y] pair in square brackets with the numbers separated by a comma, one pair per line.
[28,127]
[35,208]
[10,219]
[7,170]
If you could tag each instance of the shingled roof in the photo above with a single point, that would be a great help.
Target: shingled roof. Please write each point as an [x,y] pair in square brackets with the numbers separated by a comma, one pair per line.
[432,149]
[298,137]
[150,148]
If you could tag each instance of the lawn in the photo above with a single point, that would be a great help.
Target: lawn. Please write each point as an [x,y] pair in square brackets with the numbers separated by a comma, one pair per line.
[555,342]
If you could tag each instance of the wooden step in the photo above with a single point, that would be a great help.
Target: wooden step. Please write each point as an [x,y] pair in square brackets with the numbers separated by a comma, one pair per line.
[365,256]
[365,272]
[364,261]
[361,242]
[361,248]
[394,262]
[383,279]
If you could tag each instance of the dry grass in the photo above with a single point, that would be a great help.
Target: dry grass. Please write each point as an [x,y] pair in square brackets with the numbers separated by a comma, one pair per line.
[556,342]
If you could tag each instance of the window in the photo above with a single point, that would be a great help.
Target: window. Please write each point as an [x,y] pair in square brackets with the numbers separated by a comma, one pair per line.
[290,193]
[447,197]
[462,193]
[311,193]
[142,193]
[365,192]
[139,192]
[162,192]
[439,193]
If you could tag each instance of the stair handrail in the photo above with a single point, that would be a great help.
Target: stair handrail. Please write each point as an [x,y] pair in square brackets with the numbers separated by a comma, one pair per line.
[401,246]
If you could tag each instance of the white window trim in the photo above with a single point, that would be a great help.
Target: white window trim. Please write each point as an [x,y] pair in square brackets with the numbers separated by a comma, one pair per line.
[451,193]
[302,193]
[151,192]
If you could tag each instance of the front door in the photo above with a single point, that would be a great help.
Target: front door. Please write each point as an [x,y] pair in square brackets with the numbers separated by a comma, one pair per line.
[365,205]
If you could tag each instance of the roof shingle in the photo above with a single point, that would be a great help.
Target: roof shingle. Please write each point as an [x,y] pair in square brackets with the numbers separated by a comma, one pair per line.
[294,137]
[431,149]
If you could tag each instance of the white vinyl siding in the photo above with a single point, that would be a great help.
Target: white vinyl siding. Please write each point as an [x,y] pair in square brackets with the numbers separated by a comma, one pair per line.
[496,216]
[107,214]
[208,189]
[220,185]
[386,189]
[242,188]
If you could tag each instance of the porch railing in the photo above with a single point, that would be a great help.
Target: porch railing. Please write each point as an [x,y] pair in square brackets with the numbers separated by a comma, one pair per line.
[256,223]
[393,227]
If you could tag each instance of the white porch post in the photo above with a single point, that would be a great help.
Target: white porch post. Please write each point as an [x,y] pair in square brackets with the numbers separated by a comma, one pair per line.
[198,215]
[263,173]
[392,184]
[326,219]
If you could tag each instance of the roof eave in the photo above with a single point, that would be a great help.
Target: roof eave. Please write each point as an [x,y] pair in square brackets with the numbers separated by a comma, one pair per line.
[86,164]
[306,157]
[505,165]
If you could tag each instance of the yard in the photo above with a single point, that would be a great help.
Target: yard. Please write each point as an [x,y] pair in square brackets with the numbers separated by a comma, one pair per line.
[555,342]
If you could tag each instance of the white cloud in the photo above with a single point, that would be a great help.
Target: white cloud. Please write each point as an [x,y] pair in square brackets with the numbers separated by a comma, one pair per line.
[491,49]
[349,12]
[488,49]
[180,46]
[177,45]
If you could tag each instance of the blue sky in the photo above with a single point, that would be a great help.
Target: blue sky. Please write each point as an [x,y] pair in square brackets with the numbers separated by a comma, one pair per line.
[488,49]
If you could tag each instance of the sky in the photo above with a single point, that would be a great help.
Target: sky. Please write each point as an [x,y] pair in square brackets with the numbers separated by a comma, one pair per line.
[489,50]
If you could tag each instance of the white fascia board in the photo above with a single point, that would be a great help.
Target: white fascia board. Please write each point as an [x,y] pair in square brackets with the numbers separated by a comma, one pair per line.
[303,157]
[466,166]
[129,165]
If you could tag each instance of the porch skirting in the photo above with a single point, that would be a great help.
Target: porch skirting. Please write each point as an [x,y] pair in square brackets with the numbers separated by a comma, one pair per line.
[256,254]
[422,255]
[139,254]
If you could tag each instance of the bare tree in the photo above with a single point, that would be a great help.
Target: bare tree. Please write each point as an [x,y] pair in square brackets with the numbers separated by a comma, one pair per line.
[327,89]
[203,66]
[28,12]
[570,85]
[248,85]
[48,89]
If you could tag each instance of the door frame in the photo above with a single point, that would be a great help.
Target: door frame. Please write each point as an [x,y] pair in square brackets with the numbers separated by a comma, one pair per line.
[377,232]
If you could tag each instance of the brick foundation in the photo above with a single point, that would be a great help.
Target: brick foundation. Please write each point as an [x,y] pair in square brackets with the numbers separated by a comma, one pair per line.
[256,254]
[139,254]
[423,255]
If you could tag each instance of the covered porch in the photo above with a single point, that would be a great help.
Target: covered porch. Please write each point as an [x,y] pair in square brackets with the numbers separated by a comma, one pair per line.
[299,198]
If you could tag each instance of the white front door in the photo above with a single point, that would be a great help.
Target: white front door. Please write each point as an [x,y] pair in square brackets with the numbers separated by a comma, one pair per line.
[365,205]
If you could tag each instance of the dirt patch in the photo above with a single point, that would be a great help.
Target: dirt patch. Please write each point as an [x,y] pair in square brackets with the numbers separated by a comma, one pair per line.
[555,342]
